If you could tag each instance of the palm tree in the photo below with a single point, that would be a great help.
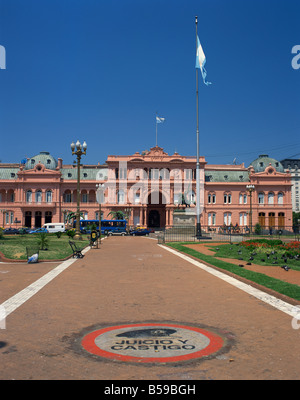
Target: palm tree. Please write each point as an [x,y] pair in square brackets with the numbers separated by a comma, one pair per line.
[117,214]
[43,240]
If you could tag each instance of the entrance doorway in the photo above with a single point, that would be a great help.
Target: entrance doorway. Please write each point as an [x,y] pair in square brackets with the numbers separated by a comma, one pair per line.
[156,210]
[271,220]
[28,216]
[38,219]
[154,219]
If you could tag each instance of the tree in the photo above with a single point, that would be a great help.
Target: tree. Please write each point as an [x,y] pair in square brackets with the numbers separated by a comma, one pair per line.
[117,214]
[72,215]
[43,240]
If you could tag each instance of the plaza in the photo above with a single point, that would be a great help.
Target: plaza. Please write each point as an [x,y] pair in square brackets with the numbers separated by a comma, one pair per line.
[54,308]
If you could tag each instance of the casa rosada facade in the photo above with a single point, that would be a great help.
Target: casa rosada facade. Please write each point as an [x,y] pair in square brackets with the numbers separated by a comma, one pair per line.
[150,187]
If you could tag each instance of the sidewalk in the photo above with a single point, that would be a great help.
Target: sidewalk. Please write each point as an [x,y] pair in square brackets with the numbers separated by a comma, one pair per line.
[134,280]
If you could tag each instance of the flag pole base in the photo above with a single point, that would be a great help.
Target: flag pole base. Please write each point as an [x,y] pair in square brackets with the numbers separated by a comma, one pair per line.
[198,231]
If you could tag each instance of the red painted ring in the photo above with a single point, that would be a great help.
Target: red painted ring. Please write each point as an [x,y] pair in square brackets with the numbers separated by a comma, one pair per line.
[215,344]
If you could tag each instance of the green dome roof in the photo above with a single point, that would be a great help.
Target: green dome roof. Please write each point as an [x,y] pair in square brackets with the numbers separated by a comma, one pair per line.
[44,158]
[263,161]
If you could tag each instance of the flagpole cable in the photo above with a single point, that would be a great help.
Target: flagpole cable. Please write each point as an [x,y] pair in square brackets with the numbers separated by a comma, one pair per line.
[198,233]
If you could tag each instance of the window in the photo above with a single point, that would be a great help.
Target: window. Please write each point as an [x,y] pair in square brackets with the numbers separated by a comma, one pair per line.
[84,197]
[227,218]
[121,197]
[38,196]
[280,198]
[9,217]
[49,196]
[189,174]
[191,198]
[227,198]
[154,173]
[243,219]
[123,173]
[243,198]
[270,198]
[29,196]
[211,219]
[211,198]
[164,173]
[261,198]
[68,197]
[97,215]
[137,199]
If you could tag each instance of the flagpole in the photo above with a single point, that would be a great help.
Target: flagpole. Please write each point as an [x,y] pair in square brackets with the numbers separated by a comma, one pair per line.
[156,128]
[198,227]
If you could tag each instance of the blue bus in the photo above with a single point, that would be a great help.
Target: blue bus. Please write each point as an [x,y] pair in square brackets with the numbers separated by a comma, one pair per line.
[107,225]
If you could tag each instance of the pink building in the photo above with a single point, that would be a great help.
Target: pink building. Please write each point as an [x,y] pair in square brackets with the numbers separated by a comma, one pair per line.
[151,186]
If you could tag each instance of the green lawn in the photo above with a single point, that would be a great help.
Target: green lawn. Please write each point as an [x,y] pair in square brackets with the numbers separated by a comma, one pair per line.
[287,289]
[260,256]
[14,246]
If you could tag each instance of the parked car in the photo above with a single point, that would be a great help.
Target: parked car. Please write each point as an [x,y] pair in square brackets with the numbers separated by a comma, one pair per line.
[140,232]
[39,230]
[24,230]
[11,231]
[117,232]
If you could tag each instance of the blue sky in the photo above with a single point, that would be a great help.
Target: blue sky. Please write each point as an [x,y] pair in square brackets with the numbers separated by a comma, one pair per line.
[99,71]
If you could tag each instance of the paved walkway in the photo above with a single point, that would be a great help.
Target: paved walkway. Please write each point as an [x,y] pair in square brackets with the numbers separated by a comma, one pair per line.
[134,280]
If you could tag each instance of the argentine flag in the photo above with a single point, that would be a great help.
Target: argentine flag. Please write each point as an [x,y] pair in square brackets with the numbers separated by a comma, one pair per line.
[200,61]
[159,120]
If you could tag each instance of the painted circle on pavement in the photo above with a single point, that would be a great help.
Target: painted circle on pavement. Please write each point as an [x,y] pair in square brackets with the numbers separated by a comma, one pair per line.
[152,343]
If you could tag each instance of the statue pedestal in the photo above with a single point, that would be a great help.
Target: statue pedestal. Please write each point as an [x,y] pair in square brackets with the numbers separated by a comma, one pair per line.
[186,217]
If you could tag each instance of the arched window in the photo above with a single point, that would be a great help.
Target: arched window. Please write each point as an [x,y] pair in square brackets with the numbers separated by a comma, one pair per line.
[261,198]
[38,196]
[49,196]
[211,198]
[29,196]
[243,198]
[270,198]
[243,219]
[85,196]
[67,196]
[280,198]
[227,198]
[211,219]
[227,218]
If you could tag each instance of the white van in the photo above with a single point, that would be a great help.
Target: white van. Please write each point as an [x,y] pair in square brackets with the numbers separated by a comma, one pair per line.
[55,227]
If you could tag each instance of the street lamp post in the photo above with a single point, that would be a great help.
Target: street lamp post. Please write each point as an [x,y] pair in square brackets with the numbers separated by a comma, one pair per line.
[99,196]
[250,189]
[78,149]
[3,212]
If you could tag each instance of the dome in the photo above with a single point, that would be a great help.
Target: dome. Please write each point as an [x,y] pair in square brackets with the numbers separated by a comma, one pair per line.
[263,161]
[44,158]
